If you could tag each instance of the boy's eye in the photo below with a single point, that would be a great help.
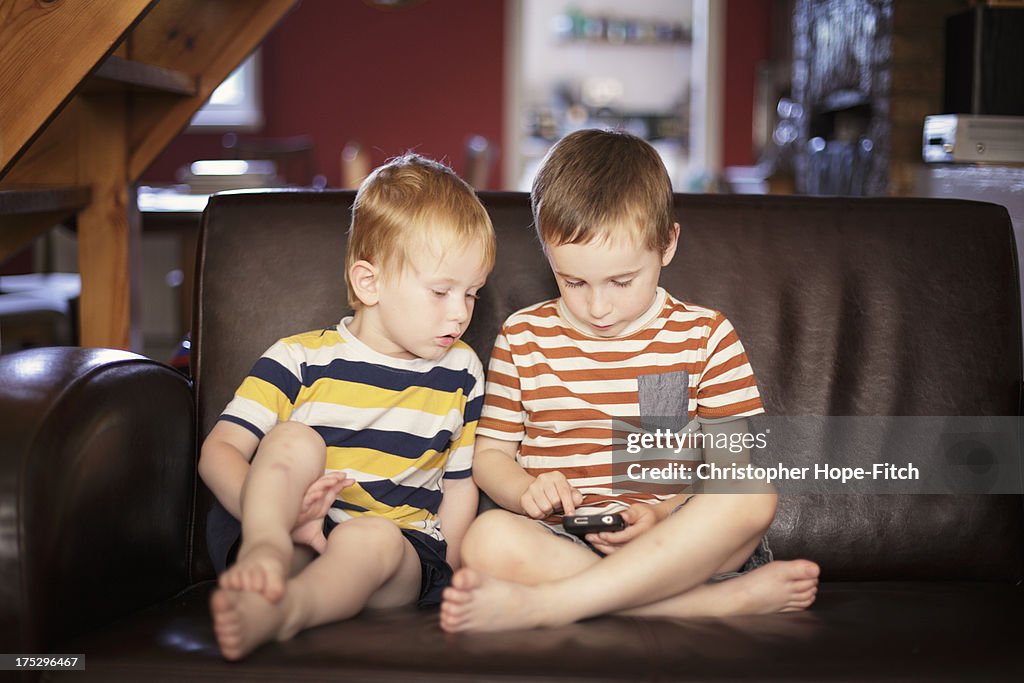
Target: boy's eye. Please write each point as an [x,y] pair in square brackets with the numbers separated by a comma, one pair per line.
[622,283]
[473,295]
[438,292]
[573,283]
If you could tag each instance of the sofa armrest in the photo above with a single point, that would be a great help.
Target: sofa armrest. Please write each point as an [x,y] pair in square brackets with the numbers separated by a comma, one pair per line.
[97,481]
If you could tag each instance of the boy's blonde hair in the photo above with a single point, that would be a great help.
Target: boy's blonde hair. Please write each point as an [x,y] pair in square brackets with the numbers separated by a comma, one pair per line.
[401,205]
[594,179]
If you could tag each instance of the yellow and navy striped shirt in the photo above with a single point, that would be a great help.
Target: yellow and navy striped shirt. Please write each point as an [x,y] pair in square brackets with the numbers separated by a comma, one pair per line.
[559,391]
[398,427]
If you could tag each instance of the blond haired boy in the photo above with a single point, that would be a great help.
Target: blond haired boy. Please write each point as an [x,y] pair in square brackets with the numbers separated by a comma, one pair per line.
[613,346]
[371,422]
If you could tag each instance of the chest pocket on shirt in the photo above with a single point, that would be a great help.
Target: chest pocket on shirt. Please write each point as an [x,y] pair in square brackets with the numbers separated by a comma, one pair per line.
[665,397]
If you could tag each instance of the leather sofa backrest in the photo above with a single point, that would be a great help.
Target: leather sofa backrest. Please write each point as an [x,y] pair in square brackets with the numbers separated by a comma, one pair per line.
[846,307]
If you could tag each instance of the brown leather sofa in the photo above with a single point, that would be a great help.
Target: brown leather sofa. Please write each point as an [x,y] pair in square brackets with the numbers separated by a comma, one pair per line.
[847,307]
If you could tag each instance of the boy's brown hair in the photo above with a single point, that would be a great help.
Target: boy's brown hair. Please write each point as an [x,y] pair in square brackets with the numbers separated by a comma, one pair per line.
[401,204]
[592,179]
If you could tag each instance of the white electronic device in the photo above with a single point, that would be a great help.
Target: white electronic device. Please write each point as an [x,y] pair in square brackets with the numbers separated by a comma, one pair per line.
[969,138]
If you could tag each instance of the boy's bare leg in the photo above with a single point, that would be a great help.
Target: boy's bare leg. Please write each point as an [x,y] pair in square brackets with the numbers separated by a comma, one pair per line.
[367,563]
[515,548]
[288,460]
[710,535]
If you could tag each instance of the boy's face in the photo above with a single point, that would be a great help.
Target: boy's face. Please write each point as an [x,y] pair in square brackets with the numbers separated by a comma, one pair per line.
[424,309]
[607,284]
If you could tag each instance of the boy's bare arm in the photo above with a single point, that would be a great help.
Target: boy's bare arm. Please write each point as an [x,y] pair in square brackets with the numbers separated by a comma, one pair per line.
[639,516]
[458,508]
[497,473]
[724,457]
[224,463]
[503,479]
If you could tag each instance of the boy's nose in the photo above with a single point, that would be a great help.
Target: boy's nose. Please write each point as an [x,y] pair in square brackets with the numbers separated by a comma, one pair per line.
[598,305]
[458,310]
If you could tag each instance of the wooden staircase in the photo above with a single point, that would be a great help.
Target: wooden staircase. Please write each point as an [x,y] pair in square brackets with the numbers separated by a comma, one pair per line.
[90,94]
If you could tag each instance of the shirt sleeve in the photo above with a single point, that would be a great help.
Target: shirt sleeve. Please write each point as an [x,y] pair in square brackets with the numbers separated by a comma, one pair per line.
[460,459]
[503,416]
[727,387]
[267,395]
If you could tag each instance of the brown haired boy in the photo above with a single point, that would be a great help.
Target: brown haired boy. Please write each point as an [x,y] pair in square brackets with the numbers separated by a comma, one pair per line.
[614,346]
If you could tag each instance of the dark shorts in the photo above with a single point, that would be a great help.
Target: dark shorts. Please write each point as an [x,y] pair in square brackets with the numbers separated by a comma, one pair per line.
[435,573]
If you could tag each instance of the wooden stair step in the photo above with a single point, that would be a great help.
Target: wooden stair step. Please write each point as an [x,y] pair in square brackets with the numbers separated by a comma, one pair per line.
[120,71]
[28,211]
[27,199]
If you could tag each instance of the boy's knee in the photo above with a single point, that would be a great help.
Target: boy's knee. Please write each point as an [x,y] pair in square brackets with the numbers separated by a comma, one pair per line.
[296,435]
[758,510]
[754,512]
[487,542]
[296,443]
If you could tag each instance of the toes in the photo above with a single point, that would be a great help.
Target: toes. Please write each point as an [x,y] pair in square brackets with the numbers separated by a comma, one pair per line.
[273,589]
[226,624]
[452,624]
[228,580]
[809,569]
[453,616]
[257,580]
[465,579]
[801,601]
[455,596]
[803,585]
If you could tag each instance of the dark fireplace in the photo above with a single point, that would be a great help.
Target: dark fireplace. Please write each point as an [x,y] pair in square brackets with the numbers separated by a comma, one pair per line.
[842,56]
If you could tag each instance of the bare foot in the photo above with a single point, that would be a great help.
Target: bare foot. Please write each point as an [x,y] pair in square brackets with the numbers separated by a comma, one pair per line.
[261,568]
[242,621]
[780,586]
[477,602]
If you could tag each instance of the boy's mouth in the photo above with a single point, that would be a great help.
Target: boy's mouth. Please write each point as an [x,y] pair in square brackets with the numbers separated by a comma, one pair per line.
[448,339]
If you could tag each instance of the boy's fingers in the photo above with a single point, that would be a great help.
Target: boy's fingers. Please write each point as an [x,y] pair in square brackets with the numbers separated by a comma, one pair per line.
[619,537]
[530,507]
[567,499]
[553,500]
[603,547]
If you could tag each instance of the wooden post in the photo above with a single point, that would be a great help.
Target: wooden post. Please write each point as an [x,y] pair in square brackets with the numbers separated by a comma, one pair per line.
[108,240]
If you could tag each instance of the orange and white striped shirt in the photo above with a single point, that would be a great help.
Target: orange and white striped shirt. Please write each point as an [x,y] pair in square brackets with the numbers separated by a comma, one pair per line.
[557,389]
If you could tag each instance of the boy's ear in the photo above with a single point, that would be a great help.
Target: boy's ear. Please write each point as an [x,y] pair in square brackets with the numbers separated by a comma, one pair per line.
[670,250]
[364,278]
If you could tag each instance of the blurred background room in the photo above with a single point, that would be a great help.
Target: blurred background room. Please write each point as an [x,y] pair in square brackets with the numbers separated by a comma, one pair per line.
[767,96]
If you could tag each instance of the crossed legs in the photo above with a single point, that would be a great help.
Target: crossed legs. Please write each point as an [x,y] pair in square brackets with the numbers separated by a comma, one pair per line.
[366,562]
[519,575]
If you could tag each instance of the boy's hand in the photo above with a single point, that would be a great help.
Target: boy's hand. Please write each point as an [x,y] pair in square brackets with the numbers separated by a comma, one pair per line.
[549,492]
[319,497]
[639,518]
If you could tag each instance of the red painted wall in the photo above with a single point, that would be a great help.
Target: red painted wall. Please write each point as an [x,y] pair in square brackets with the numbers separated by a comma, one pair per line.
[423,78]
[747,37]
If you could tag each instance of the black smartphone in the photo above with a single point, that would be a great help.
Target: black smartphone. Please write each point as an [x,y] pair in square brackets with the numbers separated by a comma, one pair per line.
[581,525]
